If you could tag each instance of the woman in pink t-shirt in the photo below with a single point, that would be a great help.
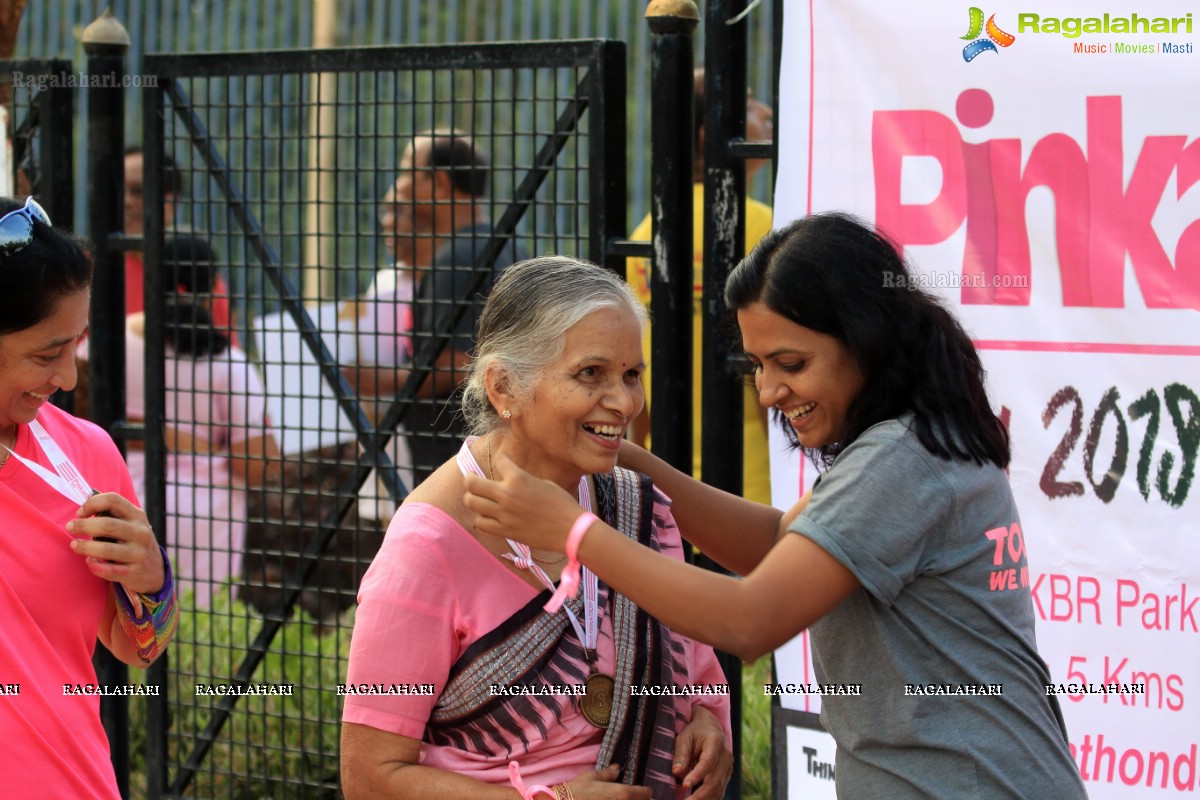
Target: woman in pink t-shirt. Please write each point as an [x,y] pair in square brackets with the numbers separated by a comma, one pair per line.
[459,669]
[74,566]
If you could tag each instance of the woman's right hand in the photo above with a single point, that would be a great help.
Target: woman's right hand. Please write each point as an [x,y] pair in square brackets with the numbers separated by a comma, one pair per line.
[601,785]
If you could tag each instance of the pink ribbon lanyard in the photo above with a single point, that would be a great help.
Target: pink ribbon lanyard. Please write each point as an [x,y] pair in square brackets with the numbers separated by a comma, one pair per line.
[67,482]
[522,556]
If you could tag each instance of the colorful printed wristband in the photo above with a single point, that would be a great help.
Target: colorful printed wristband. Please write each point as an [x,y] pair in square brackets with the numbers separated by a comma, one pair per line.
[568,582]
[149,620]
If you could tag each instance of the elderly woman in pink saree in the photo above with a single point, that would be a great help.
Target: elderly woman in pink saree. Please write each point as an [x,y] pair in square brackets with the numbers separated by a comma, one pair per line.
[464,680]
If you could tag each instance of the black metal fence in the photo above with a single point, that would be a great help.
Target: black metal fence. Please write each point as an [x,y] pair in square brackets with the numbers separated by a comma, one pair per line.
[305,259]
[50,28]
[284,160]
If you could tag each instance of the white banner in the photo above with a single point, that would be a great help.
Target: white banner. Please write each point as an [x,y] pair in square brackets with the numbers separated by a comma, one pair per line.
[1039,166]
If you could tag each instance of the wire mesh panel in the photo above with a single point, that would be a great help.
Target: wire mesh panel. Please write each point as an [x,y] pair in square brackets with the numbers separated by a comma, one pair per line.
[50,28]
[321,228]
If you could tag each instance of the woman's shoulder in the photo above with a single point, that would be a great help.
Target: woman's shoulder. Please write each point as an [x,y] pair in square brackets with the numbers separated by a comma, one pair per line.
[891,438]
[890,430]
[442,490]
[421,538]
[892,447]
[886,452]
[427,547]
[416,520]
[434,512]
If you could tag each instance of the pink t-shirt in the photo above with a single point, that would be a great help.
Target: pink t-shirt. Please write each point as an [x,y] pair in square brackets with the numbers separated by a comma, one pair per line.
[431,592]
[52,745]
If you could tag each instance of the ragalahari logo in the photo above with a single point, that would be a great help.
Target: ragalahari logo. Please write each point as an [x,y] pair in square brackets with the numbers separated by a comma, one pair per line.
[995,36]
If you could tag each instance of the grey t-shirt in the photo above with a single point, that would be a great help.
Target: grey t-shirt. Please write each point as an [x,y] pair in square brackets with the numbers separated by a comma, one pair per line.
[945,602]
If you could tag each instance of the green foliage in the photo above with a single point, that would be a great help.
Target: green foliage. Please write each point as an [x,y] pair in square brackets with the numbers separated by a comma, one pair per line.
[756,731]
[272,745]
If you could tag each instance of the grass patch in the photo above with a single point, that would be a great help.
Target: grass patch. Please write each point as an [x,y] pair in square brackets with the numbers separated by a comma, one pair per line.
[271,746]
[756,731]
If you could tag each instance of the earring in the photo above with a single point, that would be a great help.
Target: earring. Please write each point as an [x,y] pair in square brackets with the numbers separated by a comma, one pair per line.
[507,414]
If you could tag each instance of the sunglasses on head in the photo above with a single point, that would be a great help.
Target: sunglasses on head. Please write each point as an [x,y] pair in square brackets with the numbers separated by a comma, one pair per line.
[16,227]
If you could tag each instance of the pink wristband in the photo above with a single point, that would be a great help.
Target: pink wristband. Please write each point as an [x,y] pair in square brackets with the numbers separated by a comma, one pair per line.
[527,792]
[583,524]
[568,582]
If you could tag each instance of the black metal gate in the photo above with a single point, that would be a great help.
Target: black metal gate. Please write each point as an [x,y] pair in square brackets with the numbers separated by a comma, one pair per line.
[40,107]
[278,161]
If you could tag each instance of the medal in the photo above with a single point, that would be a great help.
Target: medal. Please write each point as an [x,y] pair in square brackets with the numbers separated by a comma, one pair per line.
[596,705]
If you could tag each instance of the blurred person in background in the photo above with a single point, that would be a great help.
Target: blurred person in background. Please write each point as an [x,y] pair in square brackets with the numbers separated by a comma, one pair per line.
[383,321]
[134,194]
[443,180]
[218,439]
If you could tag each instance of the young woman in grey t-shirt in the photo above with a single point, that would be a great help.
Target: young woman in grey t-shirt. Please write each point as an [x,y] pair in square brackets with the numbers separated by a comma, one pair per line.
[896,550]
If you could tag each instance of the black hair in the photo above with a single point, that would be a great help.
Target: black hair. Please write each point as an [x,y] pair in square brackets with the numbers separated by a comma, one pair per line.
[172,178]
[34,279]
[189,265]
[834,274]
[457,154]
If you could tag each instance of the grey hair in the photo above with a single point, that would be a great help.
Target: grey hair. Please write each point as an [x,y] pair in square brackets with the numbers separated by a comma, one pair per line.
[524,323]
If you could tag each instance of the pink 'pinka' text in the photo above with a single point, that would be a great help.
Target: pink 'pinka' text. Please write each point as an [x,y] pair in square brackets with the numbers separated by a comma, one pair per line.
[1100,218]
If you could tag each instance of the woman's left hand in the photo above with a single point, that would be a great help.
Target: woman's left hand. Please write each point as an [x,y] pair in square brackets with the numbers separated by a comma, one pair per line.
[702,756]
[519,506]
[132,557]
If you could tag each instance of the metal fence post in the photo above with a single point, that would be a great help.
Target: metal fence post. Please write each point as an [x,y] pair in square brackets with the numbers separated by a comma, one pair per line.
[722,451]
[56,164]
[609,190]
[672,23]
[106,42]
[154,498]
[724,236]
